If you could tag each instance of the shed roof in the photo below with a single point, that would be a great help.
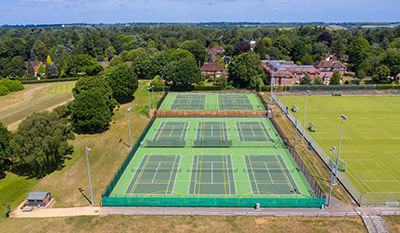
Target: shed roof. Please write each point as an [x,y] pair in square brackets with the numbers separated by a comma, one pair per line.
[37,195]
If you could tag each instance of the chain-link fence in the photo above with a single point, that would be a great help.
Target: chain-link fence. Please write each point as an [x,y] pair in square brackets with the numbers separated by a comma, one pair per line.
[339,90]
[363,199]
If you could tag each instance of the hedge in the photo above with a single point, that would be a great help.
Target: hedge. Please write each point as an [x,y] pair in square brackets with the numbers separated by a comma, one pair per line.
[3,90]
[188,88]
[50,80]
[12,85]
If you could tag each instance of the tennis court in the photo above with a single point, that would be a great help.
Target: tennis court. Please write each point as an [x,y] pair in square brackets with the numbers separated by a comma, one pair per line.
[155,174]
[212,175]
[252,131]
[212,101]
[189,102]
[207,165]
[169,134]
[269,172]
[234,102]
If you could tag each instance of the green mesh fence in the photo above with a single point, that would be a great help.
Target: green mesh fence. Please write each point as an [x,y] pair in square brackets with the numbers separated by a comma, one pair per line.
[212,202]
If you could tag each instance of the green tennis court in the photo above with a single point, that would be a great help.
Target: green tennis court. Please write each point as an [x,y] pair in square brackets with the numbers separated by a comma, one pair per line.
[252,131]
[212,175]
[216,169]
[188,102]
[212,101]
[234,102]
[269,172]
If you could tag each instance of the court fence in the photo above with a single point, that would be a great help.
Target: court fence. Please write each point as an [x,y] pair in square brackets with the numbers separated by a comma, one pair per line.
[165,201]
[363,199]
[339,90]
[190,113]
[121,170]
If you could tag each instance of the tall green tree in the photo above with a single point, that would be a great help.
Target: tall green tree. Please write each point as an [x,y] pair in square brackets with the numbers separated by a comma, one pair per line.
[39,145]
[318,81]
[4,145]
[335,80]
[358,50]
[82,64]
[306,80]
[90,112]
[381,75]
[123,81]
[98,83]
[197,48]
[245,70]
[181,67]
[31,71]
[40,50]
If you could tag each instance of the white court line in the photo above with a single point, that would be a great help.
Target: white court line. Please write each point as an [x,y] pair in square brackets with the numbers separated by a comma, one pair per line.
[269,174]
[155,173]
[183,132]
[212,173]
[227,172]
[171,130]
[255,180]
[157,135]
[170,176]
[252,130]
[136,180]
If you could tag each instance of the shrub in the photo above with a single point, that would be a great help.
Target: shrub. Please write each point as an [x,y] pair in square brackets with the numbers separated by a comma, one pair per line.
[12,85]
[3,90]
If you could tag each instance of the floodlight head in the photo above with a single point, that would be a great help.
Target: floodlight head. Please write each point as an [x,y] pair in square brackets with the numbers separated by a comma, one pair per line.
[149,88]
[296,108]
[152,86]
[344,117]
[129,109]
[333,148]
[308,91]
[87,148]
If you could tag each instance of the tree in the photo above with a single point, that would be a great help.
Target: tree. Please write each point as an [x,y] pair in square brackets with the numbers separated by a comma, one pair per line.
[4,145]
[335,80]
[98,83]
[298,50]
[123,82]
[183,71]
[31,71]
[32,55]
[245,70]
[109,53]
[39,145]
[40,50]
[306,80]
[41,70]
[18,66]
[326,36]
[361,74]
[261,49]
[90,112]
[318,81]
[241,47]
[82,64]
[51,70]
[307,60]
[48,60]
[284,45]
[358,50]
[197,48]
[381,75]
[222,81]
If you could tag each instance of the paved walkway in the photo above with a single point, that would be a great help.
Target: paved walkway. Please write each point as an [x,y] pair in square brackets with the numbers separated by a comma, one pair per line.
[55,212]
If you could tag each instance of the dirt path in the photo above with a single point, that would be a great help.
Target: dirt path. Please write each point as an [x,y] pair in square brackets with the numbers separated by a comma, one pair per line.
[56,212]
[16,106]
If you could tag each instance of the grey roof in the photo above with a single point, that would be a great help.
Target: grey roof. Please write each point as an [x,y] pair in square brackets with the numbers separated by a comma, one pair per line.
[37,195]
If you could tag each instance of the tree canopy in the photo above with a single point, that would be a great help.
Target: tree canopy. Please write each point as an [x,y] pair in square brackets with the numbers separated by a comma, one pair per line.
[4,145]
[82,64]
[197,48]
[245,70]
[123,81]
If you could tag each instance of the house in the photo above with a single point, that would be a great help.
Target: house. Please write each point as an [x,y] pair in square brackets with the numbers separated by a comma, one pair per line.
[330,66]
[38,199]
[213,69]
[326,77]
[334,57]
[214,51]
[35,65]
[106,63]
[287,72]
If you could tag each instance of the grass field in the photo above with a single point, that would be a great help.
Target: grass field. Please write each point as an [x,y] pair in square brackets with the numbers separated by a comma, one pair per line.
[185,224]
[34,98]
[212,101]
[62,88]
[371,137]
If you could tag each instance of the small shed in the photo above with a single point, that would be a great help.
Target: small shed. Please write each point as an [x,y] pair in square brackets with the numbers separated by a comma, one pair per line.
[38,199]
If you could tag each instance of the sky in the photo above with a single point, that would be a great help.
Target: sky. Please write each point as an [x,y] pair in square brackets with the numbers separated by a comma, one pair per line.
[126,11]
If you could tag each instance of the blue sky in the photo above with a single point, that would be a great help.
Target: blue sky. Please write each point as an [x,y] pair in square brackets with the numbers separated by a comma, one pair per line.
[124,11]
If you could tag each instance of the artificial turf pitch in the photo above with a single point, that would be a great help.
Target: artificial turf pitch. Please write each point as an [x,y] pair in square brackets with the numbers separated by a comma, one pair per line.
[371,137]
[212,101]
[198,168]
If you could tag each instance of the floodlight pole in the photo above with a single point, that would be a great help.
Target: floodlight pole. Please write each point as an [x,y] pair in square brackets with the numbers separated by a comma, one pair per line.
[284,112]
[154,106]
[330,186]
[129,128]
[275,105]
[149,103]
[260,82]
[272,84]
[295,130]
[338,153]
[90,180]
[163,81]
[305,115]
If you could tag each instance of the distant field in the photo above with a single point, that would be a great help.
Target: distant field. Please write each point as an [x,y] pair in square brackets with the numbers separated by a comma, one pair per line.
[34,98]
[62,88]
[371,139]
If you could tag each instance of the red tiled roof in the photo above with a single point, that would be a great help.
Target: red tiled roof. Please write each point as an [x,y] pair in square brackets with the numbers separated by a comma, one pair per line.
[328,64]
[211,66]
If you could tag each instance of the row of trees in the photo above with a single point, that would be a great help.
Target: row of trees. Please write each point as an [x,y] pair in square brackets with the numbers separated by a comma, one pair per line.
[368,48]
